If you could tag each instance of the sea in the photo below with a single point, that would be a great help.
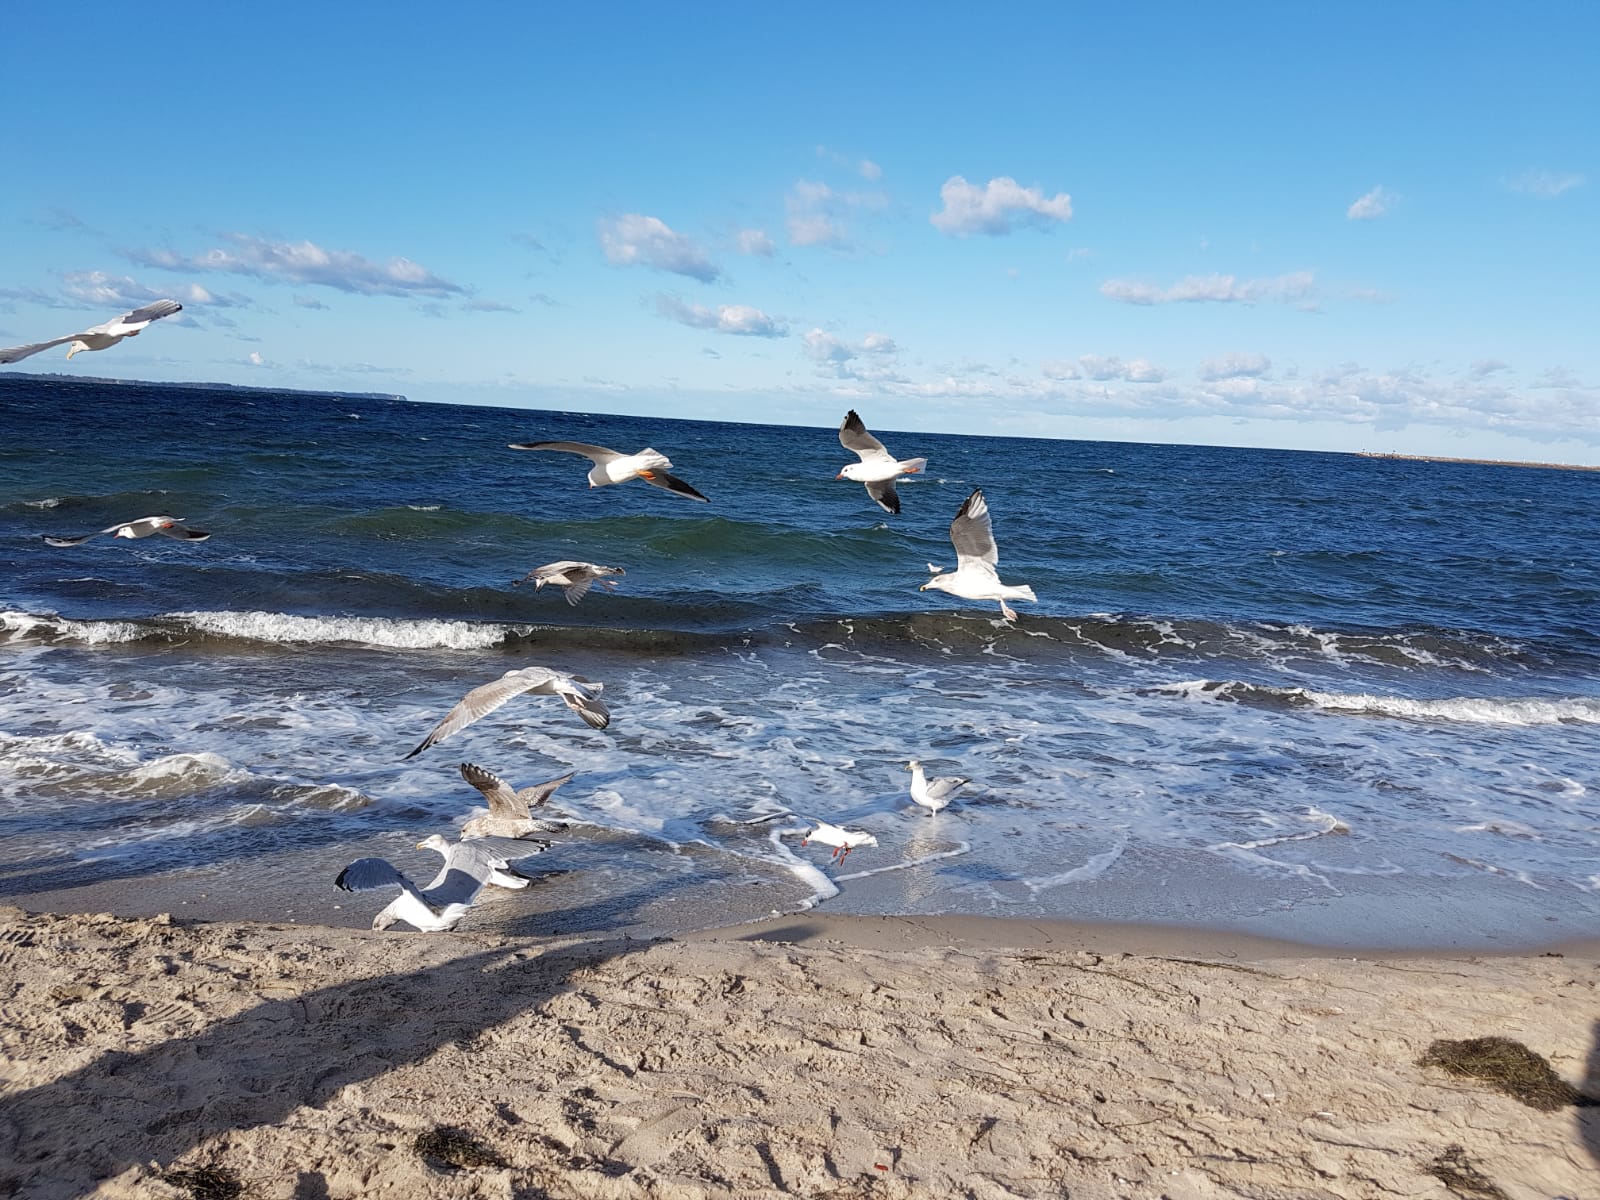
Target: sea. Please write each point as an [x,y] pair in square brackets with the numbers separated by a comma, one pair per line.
[1347,700]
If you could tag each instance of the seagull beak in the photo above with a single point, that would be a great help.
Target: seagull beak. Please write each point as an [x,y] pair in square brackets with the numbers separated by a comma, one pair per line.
[840,475]
[421,846]
[923,588]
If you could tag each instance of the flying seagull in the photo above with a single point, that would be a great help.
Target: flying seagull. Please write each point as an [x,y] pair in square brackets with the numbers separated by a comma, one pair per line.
[579,694]
[612,467]
[933,794]
[573,578]
[171,527]
[878,469]
[975,577]
[100,337]
[467,867]
[510,811]
[842,840]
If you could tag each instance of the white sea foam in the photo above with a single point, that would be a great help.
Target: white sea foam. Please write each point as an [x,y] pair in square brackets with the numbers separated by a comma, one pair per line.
[95,633]
[1466,709]
[1097,866]
[387,632]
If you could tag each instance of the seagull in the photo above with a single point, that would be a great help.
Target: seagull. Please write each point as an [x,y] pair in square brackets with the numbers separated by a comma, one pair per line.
[878,469]
[579,694]
[574,578]
[468,865]
[933,794]
[171,527]
[975,577]
[842,840]
[510,811]
[612,467]
[101,337]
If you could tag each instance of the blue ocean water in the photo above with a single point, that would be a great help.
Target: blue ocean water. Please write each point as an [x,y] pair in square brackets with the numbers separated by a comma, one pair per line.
[1321,695]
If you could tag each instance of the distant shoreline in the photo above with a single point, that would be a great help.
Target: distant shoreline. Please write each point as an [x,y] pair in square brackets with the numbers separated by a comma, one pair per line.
[1482,462]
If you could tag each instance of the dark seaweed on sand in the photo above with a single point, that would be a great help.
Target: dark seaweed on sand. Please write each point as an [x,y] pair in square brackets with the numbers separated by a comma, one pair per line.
[1508,1067]
[1456,1172]
[206,1183]
[447,1147]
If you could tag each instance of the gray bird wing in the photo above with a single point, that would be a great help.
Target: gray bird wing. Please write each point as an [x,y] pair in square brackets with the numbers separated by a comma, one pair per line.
[13,354]
[671,483]
[184,534]
[887,498]
[141,317]
[503,799]
[582,697]
[972,533]
[481,701]
[853,436]
[578,588]
[536,796]
[938,789]
[366,874]
[597,454]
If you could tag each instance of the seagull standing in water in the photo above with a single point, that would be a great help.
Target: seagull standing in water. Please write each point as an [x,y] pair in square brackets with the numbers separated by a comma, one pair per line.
[573,578]
[878,469]
[975,577]
[612,467]
[842,840]
[99,337]
[933,794]
[580,695]
[468,866]
[171,527]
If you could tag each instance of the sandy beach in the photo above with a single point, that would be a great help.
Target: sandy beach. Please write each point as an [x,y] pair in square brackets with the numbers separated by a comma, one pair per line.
[809,1055]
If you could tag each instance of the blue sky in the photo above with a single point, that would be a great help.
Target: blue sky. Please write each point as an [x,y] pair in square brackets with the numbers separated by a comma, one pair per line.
[1367,226]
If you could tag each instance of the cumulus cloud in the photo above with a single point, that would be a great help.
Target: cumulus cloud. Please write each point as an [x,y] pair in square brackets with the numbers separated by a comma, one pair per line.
[309,302]
[635,240]
[1485,367]
[255,359]
[817,213]
[1371,206]
[872,358]
[488,306]
[1217,289]
[1544,183]
[101,288]
[755,242]
[997,208]
[1234,366]
[304,263]
[739,319]
[870,170]
[1101,369]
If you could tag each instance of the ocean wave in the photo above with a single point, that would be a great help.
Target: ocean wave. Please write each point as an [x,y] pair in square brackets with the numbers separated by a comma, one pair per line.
[1471,710]
[385,632]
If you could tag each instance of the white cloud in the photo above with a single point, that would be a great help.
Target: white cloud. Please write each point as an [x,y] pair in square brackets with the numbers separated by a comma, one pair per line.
[309,302]
[1371,206]
[305,263]
[97,287]
[1101,369]
[1219,289]
[872,358]
[488,306]
[634,240]
[1544,183]
[738,319]
[997,207]
[1235,366]
[817,213]
[255,359]
[1485,367]
[755,242]
[870,170]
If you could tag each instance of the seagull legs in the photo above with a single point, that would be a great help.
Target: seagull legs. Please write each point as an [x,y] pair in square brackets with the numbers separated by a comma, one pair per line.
[1007,611]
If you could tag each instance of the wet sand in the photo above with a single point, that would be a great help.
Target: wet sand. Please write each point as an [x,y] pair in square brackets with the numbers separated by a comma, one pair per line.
[808,1055]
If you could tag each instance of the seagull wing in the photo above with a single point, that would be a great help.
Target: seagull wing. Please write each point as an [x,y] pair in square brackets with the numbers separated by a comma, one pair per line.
[77,541]
[579,587]
[366,874]
[183,534]
[13,354]
[140,317]
[853,436]
[535,796]
[940,789]
[885,495]
[481,701]
[972,533]
[583,698]
[597,454]
[503,800]
[671,483]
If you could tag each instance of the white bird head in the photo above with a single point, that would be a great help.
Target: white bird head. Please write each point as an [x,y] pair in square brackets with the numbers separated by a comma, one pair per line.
[76,346]
[434,842]
[939,583]
[912,765]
